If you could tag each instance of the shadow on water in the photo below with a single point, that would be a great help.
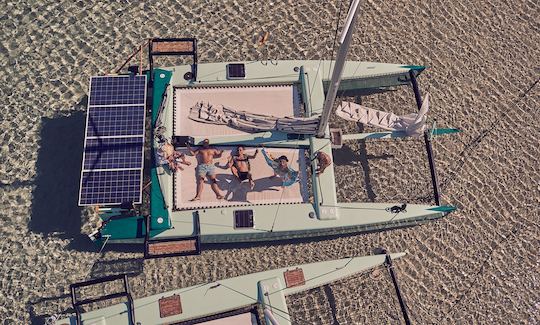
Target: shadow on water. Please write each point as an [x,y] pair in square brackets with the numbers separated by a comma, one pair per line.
[129,266]
[40,319]
[332,301]
[55,197]
[347,157]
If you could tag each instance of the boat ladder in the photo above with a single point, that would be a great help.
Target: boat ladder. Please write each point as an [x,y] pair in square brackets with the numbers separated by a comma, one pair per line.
[125,293]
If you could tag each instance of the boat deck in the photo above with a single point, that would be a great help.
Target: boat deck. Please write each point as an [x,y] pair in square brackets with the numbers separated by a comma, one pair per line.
[275,100]
[266,190]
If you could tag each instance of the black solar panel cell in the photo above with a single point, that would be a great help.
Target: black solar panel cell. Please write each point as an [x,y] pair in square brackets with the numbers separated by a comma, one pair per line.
[113,153]
[117,90]
[111,187]
[115,121]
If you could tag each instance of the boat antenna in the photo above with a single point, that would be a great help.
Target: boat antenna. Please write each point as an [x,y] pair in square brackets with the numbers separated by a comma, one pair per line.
[344,41]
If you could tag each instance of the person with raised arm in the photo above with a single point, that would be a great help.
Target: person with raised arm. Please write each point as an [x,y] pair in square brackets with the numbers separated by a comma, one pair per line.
[206,168]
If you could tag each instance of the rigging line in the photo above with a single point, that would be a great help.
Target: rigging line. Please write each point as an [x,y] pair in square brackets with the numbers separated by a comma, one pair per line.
[333,50]
[306,281]
[336,34]
[483,134]
[512,233]
[283,192]
[255,300]
[335,270]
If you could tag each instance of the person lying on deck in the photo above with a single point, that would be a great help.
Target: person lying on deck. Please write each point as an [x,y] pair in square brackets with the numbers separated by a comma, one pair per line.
[323,161]
[206,168]
[173,158]
[240,167]
[281,168]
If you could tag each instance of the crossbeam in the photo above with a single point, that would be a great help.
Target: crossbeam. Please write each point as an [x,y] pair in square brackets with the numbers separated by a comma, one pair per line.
[427,140]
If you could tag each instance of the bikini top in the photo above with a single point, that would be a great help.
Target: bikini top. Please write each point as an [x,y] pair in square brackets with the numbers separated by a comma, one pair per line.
[237,159]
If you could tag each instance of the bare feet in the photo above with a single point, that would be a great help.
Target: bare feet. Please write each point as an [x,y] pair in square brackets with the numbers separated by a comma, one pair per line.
[185,162]
[219,197]
[251,185]
[195,199]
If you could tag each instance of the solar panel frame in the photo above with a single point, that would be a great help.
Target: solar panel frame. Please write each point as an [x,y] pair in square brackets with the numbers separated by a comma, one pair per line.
[105,121]
[113,153]
[89,195]
[110,90]
[113,187]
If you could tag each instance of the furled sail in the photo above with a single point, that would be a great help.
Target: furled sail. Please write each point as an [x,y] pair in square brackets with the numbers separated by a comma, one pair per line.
[251,122]
[413,124]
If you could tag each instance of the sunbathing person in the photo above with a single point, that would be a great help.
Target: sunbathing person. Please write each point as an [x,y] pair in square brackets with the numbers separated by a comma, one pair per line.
[206,168]
[240,167]
[281,168]
[172,157]
[323,161]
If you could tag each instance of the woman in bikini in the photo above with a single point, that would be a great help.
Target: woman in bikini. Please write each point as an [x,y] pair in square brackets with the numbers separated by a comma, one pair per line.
[240,167]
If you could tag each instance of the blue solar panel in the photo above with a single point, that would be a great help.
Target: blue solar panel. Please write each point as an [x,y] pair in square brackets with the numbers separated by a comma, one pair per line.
[113,153]
[114,141]
[111,187]
[117,90]
[115,121]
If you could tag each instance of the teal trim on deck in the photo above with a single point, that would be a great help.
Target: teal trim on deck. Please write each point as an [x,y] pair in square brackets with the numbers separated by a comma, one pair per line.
[124,228]
[443,208]
[158,208]
[160,85]
[444,131]
[417,68]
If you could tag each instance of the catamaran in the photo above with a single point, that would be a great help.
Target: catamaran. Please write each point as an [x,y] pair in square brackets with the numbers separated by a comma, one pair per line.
[282,106]
[242,300]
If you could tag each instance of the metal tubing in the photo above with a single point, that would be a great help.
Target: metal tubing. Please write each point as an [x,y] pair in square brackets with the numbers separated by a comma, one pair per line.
[345,40]
[402,304]
[427,140]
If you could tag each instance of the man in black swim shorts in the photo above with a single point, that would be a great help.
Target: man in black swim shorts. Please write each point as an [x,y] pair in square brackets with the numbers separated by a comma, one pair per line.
[240,167]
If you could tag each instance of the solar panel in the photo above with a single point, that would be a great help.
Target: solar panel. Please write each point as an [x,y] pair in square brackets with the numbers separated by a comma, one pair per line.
[111,187]
[113,153]
[114,141]
[114,90]
[115,121]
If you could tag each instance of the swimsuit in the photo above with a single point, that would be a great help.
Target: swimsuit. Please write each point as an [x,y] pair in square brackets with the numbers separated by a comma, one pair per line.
[290,176]
[241,175]
[206,169]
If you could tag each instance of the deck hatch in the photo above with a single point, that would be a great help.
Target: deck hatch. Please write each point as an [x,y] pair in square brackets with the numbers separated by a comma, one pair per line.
[243,219]
[294,278]
[236,71]
[170,306]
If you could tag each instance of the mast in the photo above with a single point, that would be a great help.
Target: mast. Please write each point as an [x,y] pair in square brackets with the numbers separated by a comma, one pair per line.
[344,41]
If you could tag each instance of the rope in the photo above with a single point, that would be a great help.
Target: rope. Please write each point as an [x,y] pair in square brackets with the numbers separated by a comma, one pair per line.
[306,281]
[333,49]
[465,153]
[281,196]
